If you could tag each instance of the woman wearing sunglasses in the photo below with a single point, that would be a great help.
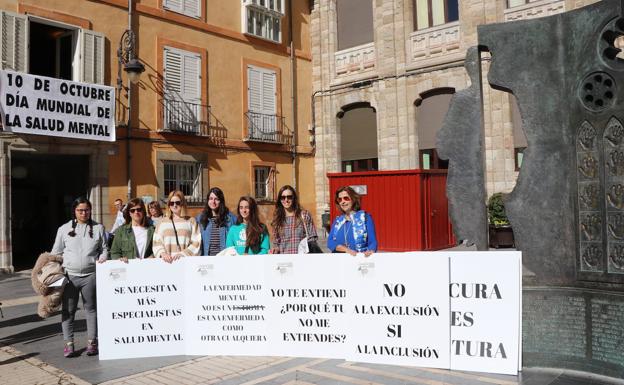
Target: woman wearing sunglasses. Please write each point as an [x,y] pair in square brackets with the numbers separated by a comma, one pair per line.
[215,222]
[354,231]
[81,242]
[134,238]
[291,223]
[177,235]
[248,235]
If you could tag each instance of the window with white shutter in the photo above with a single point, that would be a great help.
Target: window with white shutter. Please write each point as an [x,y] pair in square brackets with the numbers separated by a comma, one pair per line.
[182,98]
[14,42]
[262,103]
[263,18]
[92,57]
[190,8]
[45,47]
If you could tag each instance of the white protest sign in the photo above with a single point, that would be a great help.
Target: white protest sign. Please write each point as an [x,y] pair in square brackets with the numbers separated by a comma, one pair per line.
[141,309]
[485,311]
[226,306]
[40,105]
[435,309]
[306,303]
[398,309]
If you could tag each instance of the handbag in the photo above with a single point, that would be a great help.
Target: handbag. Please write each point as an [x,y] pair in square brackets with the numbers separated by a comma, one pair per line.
[307,246]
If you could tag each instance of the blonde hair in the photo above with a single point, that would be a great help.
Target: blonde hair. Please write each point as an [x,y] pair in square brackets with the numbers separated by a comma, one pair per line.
[180,195]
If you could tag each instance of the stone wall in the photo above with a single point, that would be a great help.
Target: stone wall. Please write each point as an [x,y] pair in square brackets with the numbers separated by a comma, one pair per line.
[405,64]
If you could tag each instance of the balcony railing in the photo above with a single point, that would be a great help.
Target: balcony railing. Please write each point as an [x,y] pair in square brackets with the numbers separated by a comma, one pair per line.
[355,60]
[533,10]
[435,45]
[267,128]
[191,118]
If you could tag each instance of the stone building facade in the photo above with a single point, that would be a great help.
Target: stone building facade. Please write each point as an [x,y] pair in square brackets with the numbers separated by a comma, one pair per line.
[405,69]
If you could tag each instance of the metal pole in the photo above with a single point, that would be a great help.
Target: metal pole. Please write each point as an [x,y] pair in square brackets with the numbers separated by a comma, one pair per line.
[128,125]
[293,97]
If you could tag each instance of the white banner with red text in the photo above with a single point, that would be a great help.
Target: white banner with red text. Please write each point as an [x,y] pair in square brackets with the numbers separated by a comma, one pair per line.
[457,310]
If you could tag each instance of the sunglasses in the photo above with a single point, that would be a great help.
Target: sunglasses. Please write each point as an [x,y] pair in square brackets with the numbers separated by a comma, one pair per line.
[286,197]
[83,210]
[346,199]
[175,203]
[139,210]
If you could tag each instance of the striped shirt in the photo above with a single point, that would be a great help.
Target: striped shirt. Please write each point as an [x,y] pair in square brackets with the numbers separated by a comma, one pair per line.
[188,236]
[215,241]
[292,232]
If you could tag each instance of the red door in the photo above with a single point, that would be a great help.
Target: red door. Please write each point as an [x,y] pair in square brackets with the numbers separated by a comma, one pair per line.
[438,229]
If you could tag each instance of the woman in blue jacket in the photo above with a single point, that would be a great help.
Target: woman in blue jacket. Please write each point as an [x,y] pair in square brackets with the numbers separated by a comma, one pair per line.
[215,222]
[354,231]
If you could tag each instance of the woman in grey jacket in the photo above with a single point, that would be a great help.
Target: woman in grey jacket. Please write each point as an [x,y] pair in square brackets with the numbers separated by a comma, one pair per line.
[81,242]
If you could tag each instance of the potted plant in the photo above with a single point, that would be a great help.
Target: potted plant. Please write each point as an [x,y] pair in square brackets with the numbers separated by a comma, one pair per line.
[500,231]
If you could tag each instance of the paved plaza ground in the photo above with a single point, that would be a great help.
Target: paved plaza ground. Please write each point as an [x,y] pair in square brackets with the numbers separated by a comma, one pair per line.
[31,353]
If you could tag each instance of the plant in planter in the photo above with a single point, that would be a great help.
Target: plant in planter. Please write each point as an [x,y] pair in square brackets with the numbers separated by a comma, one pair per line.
[500,231]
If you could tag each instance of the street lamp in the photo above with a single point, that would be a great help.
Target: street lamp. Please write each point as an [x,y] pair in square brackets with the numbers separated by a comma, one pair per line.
[127,60]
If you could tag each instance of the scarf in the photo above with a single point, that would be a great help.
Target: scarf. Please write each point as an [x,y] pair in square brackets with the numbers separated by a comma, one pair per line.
[358,228]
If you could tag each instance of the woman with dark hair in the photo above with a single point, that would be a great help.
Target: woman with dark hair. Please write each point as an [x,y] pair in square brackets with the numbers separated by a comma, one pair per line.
[177,235]
[248,235]
[291,223]
[81,242]
[154,212]
[134,238]
[354,231]
[215,222]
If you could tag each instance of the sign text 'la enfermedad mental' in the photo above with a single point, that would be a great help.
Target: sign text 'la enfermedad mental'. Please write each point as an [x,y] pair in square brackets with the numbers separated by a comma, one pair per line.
[41,105]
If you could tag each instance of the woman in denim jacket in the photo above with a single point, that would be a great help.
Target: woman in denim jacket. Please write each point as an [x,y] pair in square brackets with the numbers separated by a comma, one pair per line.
[215,222]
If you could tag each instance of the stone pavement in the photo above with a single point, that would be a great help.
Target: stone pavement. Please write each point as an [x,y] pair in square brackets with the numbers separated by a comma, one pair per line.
[30,354]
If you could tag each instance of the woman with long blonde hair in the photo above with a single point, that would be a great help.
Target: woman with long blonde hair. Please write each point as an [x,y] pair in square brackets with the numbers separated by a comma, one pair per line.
[177,235]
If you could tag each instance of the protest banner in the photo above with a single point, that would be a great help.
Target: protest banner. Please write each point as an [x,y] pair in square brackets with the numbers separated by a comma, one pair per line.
[485,292]
[40,105]
[400,304]
[306,303]
[434,309]
[141,309]
[226,306]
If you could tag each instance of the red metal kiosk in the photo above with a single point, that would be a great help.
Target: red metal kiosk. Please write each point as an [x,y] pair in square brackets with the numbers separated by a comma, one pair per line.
[409,207]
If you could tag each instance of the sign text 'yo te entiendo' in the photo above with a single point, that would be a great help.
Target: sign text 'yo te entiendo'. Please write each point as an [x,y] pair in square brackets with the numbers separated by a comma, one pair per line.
[318,306]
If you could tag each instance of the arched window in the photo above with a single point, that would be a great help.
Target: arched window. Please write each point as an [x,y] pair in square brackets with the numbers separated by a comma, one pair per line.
[430,112]
[358,138]
[355,23]
[429,13]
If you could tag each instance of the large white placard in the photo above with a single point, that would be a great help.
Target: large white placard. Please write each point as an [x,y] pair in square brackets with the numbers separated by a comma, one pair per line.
[226,306]
[141,309]
[458,310]
[399,304]
[485,311]
[306,303]
[40,105]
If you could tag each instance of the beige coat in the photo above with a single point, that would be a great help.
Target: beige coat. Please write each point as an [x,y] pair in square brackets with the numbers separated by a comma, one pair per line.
[47,270]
